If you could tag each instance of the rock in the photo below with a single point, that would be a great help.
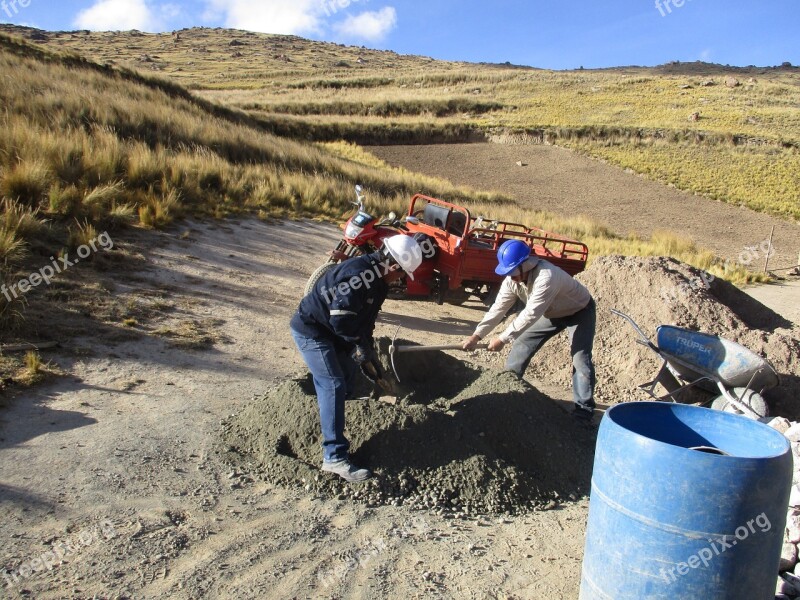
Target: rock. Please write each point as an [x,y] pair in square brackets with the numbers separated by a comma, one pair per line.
[236,43]
[793,433]
[794,497]
[788,557]
[783,587]
[793,529]
[695,116]
[707,83]
[796,452]
[521,164]
[792,582]
[731,82]
[777,423]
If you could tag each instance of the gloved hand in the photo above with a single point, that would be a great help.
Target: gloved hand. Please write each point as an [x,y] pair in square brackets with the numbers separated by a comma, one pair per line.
[363,353]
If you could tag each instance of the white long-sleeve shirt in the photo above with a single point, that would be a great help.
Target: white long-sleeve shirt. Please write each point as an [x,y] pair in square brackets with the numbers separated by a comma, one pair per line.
[548,292]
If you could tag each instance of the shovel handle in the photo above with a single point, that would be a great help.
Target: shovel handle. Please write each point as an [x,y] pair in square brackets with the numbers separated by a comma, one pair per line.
[433,348]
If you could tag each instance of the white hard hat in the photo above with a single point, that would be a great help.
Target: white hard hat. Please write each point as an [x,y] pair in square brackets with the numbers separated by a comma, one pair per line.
[405,251]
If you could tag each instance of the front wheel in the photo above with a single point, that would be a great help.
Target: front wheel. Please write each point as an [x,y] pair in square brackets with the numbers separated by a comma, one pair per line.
[748,397]
[317,275]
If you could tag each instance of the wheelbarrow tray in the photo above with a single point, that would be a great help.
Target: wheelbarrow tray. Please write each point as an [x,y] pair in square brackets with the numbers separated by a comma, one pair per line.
[695,355]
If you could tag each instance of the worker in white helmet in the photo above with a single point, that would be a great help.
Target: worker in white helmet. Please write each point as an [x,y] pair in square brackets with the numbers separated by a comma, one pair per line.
[333,329]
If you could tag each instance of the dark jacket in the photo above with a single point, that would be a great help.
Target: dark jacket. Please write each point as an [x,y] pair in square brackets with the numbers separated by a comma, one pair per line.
[344,303]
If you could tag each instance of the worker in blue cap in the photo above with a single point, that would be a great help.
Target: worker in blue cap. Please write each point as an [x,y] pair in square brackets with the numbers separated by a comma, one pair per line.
[554,301]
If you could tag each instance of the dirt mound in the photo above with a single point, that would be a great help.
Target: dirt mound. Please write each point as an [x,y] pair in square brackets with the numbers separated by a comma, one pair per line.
[656,291]
[492,444]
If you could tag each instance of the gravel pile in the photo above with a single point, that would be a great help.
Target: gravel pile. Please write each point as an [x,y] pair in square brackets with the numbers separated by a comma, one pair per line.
[461,440]
[656,291]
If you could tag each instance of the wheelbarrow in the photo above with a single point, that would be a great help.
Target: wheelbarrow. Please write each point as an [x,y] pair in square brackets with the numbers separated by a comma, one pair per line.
[711,363]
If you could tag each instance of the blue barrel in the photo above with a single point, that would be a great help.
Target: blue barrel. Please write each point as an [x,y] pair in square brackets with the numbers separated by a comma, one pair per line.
[686,503]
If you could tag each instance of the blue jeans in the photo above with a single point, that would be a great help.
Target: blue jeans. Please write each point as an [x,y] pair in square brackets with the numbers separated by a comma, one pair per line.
[333,371]
[581,328]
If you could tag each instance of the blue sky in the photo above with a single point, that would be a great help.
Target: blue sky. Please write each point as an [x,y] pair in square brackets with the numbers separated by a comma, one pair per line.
[558,35]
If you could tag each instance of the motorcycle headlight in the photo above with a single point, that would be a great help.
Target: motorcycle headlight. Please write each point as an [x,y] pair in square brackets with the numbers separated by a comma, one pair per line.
[352,231]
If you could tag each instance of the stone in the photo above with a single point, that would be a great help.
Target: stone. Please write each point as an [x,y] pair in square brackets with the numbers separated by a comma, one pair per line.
[791,581]
[788,557]
[794,497]
[731,82]
[793,529]
[793,433]
[796,452]
[777,423]
[695,116]
[783,587]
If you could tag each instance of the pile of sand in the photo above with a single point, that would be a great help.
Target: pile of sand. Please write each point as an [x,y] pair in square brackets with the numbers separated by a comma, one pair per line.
[656,291]
[473,442]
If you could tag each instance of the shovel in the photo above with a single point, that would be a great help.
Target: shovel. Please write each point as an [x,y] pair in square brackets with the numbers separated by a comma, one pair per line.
[396,349]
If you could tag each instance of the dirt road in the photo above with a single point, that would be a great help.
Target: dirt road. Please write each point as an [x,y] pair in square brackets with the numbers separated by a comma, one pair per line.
[564,182]
[112,487]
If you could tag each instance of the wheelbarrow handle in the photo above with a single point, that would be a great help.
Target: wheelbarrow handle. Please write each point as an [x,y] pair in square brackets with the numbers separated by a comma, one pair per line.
[643,339]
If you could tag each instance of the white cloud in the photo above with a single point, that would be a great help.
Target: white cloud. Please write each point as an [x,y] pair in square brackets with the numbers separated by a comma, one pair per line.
[170,11]
[116,15]
[369,25]
[269,16]
[705,55]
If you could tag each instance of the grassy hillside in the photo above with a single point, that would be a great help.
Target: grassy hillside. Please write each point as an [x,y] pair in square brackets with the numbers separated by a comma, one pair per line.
[84,148]
[726,133]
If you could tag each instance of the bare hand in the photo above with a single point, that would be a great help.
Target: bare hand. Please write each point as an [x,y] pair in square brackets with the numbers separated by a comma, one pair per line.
[496,345]
[471,342]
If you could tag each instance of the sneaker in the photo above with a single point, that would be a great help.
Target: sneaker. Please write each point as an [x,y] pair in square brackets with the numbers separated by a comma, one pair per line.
[346,470]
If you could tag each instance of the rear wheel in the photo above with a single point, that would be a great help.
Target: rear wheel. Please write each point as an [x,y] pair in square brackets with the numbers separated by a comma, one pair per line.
[746,396]
[317,275]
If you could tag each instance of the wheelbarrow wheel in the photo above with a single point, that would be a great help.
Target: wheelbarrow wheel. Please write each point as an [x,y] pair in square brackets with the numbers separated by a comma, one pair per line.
[752,399]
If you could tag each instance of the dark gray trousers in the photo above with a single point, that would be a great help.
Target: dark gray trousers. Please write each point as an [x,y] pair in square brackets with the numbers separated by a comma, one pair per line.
[581,328]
